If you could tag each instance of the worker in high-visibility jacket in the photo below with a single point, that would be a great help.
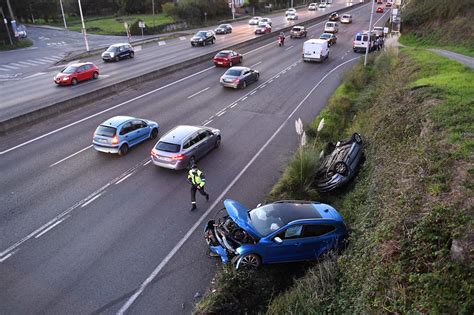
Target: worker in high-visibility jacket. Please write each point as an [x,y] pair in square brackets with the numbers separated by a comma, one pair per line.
[197,180]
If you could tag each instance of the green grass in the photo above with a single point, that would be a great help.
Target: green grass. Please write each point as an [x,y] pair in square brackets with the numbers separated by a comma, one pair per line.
[411,200]
[22,43]
[113,25]
[425,42]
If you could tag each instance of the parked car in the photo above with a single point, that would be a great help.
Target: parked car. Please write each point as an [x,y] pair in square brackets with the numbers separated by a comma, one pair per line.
[331,27]
[346,18]
[298,32]
[263,29]
[21,30]
[282,231]
[315,50]
[378,31]
[379,10]
[312,6]
[362,41]
[223,29]
[119,133]
[227,58]
[265,21]
[116,52]
[202,38]
[183,145]
[292,17]
[255,20]
[334,16]
[239,77]
[388,5]
[331,38]
[322,5]
[290,11]
[339,163]
[77,72]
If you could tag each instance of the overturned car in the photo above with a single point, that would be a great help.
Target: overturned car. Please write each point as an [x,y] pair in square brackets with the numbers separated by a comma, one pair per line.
[283,231]
[339,163]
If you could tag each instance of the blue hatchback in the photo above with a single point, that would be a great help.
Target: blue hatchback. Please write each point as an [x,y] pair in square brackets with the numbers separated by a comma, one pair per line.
[283,231]
[119,133]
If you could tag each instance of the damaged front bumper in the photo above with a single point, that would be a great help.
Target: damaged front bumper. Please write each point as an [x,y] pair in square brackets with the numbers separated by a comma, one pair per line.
[218,243]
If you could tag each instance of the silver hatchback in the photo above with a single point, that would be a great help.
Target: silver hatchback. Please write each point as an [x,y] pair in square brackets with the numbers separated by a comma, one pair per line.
[182,146]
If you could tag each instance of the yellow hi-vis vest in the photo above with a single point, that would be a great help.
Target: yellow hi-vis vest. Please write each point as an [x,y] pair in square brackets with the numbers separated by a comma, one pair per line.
[194,177]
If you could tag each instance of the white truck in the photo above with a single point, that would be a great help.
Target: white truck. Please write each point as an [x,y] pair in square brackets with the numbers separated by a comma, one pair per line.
[315,50]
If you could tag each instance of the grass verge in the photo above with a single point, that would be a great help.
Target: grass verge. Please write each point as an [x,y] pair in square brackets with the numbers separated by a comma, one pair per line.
[409,209]
[22,43]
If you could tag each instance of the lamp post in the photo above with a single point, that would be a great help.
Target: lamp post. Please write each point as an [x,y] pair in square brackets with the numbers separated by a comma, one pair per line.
[62,11]
[83,26]
[370,33]
[153,12]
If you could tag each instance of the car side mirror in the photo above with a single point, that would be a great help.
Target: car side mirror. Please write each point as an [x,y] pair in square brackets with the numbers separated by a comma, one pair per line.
[278,240]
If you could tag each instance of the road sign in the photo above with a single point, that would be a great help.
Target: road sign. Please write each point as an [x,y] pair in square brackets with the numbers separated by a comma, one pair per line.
[385,30]
[141,24]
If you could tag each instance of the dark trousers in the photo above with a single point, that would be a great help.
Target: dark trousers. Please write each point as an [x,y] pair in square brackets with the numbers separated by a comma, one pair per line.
[193,193]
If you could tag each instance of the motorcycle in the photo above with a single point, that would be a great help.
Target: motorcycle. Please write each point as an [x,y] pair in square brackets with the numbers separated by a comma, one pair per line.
[281,41]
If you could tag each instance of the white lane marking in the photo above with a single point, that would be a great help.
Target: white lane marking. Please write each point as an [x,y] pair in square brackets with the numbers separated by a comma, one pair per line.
[232,106]
[35,75]
[270,81]
[220,114]
[252,93]
[27,63]
[146,163]
[256,64]
[18,65]
[123,178]
[91,200]
[44,60]
[243,99]
[198,223]
[277,76]
[182,38]
[37,62]
[208,122]
[121,104]
[7,256]
[161,43]
[10,67]
[105,111]
[262,86]
[51,59]
[289,48]
[50,228]
[4,69]
[70,156]
[197,93]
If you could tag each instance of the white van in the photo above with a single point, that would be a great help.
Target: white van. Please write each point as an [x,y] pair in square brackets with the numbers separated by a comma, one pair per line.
[315,50]
[331,27]
[361,42]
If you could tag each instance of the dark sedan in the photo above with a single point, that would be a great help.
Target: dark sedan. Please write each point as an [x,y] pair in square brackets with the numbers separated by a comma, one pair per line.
[339,163]
[334,17]
[223,29]
[202,38]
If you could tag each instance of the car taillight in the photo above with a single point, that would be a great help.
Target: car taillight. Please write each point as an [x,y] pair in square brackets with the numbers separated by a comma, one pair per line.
[178,157]
[153,152]
[115,140]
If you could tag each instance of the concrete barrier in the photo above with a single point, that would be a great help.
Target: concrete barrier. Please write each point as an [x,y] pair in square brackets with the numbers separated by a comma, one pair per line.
[57,108]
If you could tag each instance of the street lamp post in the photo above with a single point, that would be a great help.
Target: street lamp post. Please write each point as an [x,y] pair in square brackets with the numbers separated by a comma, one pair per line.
[370,33]
[153,11]
[62,11]
[83,26]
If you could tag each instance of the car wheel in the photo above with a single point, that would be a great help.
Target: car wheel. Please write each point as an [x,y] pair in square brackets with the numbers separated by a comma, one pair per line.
[250,261]
[244,84]
[117,58]
[291,36]
[212,41]
[241,59]
[123,150]
[218,142]
[340,168]
[204,43]
[357,138]
[154,133]
[95,75]
[258,77]
[74,81]
[191,162]
[132,54]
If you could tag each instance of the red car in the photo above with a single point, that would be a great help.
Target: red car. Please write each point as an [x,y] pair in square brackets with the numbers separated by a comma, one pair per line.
[227,58]
[379,10]
[77,72]
[263,29]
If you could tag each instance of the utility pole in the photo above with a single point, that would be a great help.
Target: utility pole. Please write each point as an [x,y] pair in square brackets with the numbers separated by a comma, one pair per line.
[10,10]
[370,33]
[6,25]
[62,11]
[83,26]
[153,10]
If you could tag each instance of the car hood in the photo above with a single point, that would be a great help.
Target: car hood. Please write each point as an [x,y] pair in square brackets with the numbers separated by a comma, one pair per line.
[62,75]
[197,38]
[240,215]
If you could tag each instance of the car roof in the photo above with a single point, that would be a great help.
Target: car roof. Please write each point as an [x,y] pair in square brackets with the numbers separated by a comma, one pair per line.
[179,133]
[240,68]
[117,121]
[298,26]
[120,44]
[316,41]
[227,51]
[78,64]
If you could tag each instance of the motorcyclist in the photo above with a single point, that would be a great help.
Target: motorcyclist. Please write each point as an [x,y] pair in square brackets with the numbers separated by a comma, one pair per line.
[281,38]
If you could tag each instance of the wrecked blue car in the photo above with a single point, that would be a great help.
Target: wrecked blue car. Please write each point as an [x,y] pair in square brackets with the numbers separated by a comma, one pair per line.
[283,231]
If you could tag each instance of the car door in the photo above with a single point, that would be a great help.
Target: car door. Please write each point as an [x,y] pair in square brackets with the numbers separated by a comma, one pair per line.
[141,130]
[289,249]
[193,145]
[317,238]
[126,133]
[80,73]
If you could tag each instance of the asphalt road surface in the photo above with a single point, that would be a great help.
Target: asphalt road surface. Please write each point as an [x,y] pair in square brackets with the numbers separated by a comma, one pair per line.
[30,87]
[83,232]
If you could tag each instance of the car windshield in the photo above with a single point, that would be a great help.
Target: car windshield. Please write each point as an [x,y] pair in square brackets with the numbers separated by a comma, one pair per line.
[296,29]
[105,131]
[222,54]
[222,26]
[233,73]
[271,217]
[167,147]
[325,36]
[111,49]
[70,69]
[201,34]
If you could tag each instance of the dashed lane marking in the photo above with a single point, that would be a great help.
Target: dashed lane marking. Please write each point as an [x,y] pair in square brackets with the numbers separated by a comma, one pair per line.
[161,43]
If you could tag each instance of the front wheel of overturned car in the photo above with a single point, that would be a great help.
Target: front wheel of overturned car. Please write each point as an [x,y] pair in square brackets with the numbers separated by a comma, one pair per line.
[249,261]
[341,168]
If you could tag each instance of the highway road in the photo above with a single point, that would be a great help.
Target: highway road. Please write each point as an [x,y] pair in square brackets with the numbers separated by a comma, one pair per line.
[84,232]
[42,91]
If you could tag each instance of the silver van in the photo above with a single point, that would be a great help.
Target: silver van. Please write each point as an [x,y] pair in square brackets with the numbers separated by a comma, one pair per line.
[331,27]
[183,145]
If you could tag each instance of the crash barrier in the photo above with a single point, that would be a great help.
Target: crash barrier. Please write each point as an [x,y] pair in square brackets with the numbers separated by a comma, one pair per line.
[56,108]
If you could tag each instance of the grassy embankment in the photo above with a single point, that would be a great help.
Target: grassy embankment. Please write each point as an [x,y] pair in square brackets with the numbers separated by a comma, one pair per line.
[409,209]
[439,24]
[22,43]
